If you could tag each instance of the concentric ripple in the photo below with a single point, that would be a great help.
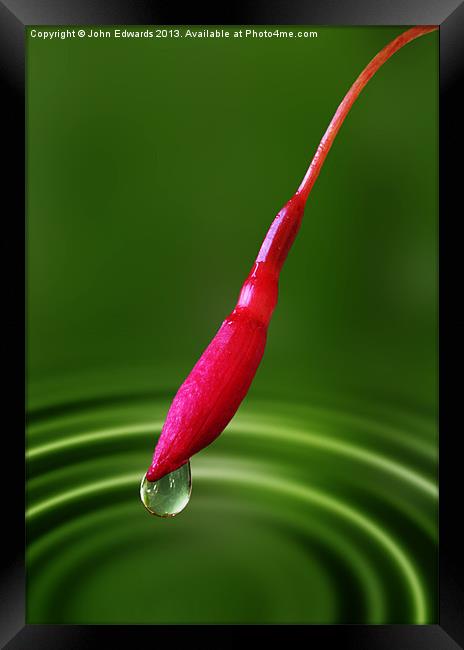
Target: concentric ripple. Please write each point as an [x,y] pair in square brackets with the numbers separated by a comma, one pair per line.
[299,514]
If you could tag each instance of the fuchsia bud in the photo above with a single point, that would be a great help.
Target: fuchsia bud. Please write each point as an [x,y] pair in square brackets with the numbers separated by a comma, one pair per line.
[213,391]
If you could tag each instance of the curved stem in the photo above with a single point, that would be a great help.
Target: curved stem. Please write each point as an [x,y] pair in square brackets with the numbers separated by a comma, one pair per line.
[259,292]
[348,101]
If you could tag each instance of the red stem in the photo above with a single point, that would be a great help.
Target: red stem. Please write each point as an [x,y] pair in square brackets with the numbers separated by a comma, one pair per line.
[280,236]
[349,99]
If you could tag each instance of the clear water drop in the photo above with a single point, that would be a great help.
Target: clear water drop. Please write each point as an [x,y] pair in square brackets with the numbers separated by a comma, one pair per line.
[168,496]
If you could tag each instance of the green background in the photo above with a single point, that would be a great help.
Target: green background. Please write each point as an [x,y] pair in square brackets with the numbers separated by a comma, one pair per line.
[154,168]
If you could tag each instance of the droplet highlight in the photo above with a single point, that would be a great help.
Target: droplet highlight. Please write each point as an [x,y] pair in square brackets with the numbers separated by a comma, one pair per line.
[168,496]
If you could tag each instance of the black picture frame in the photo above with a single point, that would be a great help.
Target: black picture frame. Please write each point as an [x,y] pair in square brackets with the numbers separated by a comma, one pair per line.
[15,16]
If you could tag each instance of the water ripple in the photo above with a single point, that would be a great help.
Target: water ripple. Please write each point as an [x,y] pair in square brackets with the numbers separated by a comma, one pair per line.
[327,510]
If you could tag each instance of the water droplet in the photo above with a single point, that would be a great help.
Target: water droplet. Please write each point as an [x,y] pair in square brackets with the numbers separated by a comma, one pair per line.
[168,496]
